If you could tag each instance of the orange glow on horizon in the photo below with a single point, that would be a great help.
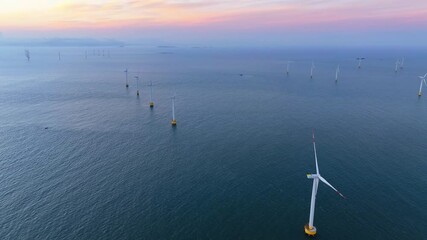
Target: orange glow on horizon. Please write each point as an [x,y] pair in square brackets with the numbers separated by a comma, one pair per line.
[238,14]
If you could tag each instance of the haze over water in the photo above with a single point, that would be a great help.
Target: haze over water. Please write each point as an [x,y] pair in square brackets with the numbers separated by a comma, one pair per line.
[109,167]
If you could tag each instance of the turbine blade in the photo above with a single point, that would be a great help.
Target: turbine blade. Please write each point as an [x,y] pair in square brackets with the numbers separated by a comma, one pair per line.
[326,182]
[315,154]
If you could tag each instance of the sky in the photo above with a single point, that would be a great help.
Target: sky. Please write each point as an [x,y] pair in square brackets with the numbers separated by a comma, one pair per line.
[257,22]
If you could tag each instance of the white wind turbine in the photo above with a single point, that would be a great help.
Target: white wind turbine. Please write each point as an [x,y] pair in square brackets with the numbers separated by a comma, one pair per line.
[312,69]
[401,63]
[423,79]
[151,95]
[397,64]
[27,54]
[127,84]
[336,73]
[173,122]
[137,85]
[309,228]
[360,61]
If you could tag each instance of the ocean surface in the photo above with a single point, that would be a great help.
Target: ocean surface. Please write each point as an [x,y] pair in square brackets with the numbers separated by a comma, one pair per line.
[82,157]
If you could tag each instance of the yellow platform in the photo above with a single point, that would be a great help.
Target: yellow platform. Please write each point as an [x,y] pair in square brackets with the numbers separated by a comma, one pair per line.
[173,122]
[151,104]
[310,231]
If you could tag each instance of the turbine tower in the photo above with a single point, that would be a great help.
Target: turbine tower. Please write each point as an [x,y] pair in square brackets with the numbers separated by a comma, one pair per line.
[137,85]
[151,95]
[336,73]
[423,79]
[397,65]
[27,54]
[401,63]
[173,122]
[309,228]
[311,70]
[287,67]
[126,71]
[360,62]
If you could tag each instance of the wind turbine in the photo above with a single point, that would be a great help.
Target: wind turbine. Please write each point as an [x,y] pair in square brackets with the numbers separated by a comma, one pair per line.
[59,56]
[401,63]
[151,95]
[397,65]
[336,73]
[126,71]
[287,67]
[312,69]
[423,79]
[137,85]
[309,228]
[27,54]
[360,61]
[173,122]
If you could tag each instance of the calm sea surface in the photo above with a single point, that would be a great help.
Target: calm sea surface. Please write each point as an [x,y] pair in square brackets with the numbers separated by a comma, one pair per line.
[81,157]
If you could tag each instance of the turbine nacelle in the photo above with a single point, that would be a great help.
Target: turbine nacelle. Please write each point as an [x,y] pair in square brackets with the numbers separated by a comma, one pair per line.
[312,176]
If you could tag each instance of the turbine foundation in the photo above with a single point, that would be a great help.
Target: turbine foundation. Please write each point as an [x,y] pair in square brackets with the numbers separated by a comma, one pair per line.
[173,122]
[151,104]
[310,231]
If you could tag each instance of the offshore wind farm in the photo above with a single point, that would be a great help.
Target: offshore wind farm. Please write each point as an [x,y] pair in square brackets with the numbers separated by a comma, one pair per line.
[239,154]
[176,119]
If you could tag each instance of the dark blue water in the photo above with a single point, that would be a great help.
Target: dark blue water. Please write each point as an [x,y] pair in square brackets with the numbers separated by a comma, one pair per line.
[109,167]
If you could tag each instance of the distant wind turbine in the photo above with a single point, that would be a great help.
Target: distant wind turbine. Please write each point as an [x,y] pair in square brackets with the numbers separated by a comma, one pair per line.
[27,54]
[173,122]
[401,63]
[336,73]
[137,85]
[59,56]
[151,95]
[423,79]
[126,71]
[397,65]
[312,69]
[309,228]
[360,62]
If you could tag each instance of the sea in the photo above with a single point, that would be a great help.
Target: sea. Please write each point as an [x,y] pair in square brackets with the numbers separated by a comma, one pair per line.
[83,157]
